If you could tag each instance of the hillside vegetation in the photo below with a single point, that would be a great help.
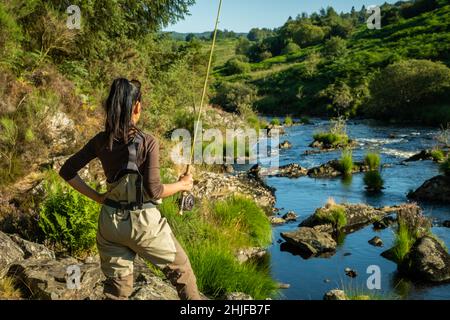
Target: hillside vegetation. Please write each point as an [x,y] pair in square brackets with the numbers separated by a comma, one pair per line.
[331,64]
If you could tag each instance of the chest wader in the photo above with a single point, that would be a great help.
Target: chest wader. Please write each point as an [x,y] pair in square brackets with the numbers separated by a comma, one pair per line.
[130,224]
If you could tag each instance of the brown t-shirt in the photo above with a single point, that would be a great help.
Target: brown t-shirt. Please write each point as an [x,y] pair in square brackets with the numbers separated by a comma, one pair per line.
[113,161]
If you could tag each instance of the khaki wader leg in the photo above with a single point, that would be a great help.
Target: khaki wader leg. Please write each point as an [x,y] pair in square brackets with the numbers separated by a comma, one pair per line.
[122,235]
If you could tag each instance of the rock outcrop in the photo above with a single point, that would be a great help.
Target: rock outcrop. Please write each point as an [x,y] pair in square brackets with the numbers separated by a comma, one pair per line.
[10,253]
[436,189]
[357,216]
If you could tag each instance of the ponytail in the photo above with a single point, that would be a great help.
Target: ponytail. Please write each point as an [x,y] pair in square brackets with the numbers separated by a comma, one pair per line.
[119,108]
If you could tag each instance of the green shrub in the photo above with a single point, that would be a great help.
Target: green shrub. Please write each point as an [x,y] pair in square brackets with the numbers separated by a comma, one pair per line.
[288,121]
[445,167]
[346,162]
[236,66]
[230,96]
[334,214]
[275,122]
[211,235]
[373,181]
[291,48]
[67,219]
[335,47]
[373,161]
[437,155]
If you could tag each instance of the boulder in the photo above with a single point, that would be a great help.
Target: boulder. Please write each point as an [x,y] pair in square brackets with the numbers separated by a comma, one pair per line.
[33,250]
[350,273]
[151,287]
[436,189]
[335,295]
[310,241]
[243,255]
[427,260]
[10,252]
[47,279]
[446,223]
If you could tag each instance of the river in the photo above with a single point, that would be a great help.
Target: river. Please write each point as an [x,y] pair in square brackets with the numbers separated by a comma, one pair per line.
[312,278]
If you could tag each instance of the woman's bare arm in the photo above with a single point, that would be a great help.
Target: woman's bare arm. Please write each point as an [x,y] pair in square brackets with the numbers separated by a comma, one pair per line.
[185,184]
[78,184]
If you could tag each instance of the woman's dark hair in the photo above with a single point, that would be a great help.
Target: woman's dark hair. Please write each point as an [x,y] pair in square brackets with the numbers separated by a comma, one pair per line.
[119,106]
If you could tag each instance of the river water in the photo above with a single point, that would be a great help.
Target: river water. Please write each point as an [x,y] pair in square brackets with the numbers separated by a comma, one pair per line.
[312,278]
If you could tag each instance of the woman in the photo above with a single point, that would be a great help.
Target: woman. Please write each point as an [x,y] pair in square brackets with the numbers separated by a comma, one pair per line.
[129,221]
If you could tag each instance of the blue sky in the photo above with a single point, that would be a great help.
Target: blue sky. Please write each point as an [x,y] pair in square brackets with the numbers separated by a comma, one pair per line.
[242,15]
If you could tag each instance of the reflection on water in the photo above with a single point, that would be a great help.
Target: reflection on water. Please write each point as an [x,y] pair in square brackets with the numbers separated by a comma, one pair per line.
[312,278]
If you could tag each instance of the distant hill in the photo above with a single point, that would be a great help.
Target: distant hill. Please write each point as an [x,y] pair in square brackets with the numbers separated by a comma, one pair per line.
[200,35]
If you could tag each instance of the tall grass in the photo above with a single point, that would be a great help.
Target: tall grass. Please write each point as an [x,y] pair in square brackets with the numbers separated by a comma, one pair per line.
[8,289]
[437,155]
[346,162]
[373,160]
[275,122]
[288,121]
[334,214]
[404,240]
[373,181]
[212,233]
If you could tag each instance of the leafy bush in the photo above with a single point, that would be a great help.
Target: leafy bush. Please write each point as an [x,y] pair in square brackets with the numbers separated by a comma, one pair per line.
[335,47]
[308,34]
[291,48]
[346,162]
[67,219]
[373,181]
[230,96]
[445,167]
[236,66]
[373,161]
[403,89]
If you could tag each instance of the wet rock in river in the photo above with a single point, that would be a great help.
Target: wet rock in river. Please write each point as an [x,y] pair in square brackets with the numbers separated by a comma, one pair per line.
[423,155]
[285,145]
[427,260]
[376,242]
[276,220]
[333,168]
[384,223]
[357,216]
[436,189]
[310,241]
[290,216]
[446,224]
[350,273]
[293,170]
[335,295]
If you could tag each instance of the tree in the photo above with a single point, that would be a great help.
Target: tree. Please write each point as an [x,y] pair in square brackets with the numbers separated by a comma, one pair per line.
[308,34]
[190,37]
[405,88]
[257,34]
[335,47]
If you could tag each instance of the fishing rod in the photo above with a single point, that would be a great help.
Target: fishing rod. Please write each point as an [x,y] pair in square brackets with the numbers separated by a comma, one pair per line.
[187,200]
